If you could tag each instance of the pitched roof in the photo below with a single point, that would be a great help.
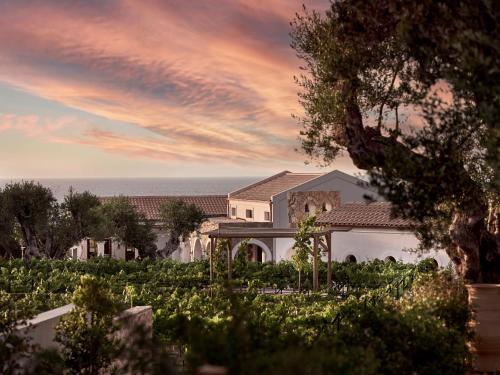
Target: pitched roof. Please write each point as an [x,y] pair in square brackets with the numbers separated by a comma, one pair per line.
[265,189]
[211,205]
[366,215]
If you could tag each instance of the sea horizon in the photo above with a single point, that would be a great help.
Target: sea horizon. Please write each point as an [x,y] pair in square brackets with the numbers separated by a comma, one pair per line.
[140,186]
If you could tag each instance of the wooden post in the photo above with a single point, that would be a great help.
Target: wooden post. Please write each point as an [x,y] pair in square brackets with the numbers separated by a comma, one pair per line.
[315,263]
[211,259]
[329,260]
[229,260]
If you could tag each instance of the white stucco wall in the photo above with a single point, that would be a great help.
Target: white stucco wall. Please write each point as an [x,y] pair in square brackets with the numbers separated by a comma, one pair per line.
[257,207]
[350,191]
[117,250]
[369,244]
[41,330]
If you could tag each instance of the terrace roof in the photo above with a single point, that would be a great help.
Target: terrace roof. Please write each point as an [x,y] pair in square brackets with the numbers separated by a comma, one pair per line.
[242,232]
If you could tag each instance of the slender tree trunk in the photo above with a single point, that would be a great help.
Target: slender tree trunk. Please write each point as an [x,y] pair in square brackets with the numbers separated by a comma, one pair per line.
[300,285]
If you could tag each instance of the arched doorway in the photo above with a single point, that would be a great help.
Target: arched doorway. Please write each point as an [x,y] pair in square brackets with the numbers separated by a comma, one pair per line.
[351,259]
[257,251]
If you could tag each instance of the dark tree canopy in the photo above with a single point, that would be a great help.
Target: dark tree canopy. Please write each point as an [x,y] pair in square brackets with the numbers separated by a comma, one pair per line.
[9,243]
[30,204]
[120,220]
[411,91]
[179,219]
[30,216]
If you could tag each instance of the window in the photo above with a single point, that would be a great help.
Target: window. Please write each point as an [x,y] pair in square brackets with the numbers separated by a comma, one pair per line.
[390,259]
[107,247]
[233,211]
[91,248]
[323,207]
[249,214]
[306,208]
[267,215]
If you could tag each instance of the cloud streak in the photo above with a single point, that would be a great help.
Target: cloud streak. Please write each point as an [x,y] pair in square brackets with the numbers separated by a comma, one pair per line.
[206,81]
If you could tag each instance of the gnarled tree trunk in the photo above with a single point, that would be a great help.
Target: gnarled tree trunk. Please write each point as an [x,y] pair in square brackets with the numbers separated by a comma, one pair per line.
[31,241]
[475,250]
[171,246]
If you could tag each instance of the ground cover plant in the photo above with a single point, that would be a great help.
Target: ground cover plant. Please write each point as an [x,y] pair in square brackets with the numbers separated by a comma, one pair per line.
[379,317]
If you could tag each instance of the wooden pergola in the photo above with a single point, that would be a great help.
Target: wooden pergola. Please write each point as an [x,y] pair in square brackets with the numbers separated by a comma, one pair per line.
[322,237]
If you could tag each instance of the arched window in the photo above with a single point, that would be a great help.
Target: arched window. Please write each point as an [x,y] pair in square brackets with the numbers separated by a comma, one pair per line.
[390,259]
[306,208]
[323,207]
[350,259]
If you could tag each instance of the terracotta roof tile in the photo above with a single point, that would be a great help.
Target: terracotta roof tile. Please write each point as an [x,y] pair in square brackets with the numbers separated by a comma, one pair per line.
[265,189]
[359,214]
[211,205]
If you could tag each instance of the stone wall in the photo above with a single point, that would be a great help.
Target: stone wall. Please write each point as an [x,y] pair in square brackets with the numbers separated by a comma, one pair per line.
[315,201]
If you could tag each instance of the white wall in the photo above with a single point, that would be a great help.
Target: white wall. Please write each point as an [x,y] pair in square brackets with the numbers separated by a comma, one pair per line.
[117,250]
[347,185]
[369,244]
[257,207]
[41,329]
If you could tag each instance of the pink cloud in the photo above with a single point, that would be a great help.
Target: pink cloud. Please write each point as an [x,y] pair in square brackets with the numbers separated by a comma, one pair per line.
[212,80]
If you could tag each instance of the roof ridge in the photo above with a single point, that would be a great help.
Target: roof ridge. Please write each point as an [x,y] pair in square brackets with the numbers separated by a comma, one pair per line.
[164,196]
[260,182]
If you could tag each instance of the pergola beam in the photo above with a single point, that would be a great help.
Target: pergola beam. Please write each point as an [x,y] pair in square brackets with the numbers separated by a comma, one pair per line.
[238,232]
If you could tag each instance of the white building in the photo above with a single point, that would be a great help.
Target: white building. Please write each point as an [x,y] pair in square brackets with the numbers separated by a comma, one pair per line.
[211,205]
[281,201]
[367,231]
[286,198]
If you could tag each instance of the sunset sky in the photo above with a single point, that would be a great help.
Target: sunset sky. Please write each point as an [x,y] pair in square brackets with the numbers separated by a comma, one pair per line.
[149,88]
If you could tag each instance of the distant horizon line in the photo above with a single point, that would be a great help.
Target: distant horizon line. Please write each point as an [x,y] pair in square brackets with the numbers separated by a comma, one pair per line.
[125,177]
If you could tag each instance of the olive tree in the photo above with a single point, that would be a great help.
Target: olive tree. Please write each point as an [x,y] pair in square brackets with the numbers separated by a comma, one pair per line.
[179,219]
[119,219]
[410,90]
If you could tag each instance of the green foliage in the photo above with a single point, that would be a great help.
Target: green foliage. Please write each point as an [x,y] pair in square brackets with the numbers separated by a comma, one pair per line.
[120,220]
[180,218]
[13,349]
[88,346]
[302,245]
[9,244]
[83,209]
[372,64]
[380,317]
[30,204]
[241,258]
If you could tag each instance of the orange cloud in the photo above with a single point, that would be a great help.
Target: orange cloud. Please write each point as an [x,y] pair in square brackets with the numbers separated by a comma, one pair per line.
[208,80]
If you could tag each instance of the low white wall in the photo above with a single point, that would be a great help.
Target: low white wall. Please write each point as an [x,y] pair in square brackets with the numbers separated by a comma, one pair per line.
[42,328]
[369,244]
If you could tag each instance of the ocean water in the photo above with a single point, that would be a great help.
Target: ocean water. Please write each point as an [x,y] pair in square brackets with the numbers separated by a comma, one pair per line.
[143,186]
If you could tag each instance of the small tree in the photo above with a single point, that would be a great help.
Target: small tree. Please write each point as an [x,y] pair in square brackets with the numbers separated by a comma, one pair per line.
[121,220]
[69,222]
[241,258]
[86,334]
[179,219]
[9,243]
[30,205]
[302,246]
[83,210]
